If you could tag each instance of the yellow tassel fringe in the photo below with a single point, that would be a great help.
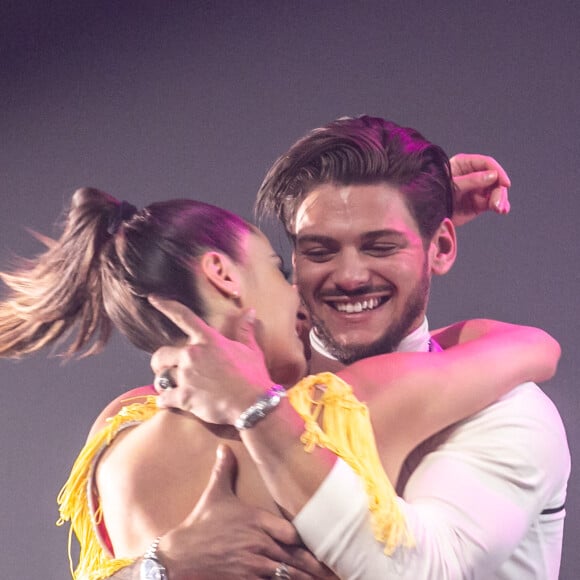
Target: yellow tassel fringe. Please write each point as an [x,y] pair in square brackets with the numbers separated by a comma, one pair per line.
[95,562]
[336,420]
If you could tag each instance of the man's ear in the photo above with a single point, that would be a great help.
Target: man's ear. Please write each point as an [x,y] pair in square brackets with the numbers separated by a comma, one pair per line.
[443,248]
[221,272]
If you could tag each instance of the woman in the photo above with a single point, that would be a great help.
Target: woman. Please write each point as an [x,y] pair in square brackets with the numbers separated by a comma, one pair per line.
[99,274]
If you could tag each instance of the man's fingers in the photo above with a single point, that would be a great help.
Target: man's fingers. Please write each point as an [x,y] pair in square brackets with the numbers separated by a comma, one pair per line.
[301,559]
[280,529]
[222,479]
[288,548]
[182,317]
[295,573]
[267,567]
[223,475]
[299,562]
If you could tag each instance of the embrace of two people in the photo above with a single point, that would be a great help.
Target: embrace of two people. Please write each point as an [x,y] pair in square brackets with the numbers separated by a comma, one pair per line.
[430,454]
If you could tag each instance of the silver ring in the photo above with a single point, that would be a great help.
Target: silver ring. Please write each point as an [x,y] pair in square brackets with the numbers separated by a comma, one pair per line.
[282,572]
[164,381]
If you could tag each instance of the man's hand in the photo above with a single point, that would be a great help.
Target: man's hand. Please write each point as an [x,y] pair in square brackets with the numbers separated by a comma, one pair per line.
[216,378]
[223,538]
[482,185]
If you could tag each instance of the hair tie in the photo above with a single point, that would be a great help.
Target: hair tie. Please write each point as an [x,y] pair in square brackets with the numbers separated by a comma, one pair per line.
[124,212]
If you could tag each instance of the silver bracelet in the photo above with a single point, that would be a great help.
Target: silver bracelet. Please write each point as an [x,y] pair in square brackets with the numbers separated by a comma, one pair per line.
[261,408]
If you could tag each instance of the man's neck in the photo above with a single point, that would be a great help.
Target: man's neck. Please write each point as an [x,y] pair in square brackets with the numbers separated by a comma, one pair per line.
[417,340]
[322,361]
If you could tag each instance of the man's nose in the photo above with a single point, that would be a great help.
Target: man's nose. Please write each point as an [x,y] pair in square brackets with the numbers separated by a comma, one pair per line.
[351,270]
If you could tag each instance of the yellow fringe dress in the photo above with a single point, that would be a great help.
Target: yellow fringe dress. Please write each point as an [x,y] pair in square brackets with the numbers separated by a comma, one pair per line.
[333,419]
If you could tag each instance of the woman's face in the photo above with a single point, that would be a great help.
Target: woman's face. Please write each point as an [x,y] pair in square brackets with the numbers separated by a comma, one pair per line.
[276,302]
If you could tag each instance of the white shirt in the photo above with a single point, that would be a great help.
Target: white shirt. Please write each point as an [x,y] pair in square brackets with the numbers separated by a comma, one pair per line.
[473,499]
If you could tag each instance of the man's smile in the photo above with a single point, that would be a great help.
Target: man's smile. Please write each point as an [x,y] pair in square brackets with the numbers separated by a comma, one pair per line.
[356,305]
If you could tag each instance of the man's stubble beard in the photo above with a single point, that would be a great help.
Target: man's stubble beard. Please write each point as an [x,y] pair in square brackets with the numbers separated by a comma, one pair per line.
[390,340]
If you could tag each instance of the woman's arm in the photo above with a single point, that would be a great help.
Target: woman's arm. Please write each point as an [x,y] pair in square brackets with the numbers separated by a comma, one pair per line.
[413,395]
[410,395]
[481,184]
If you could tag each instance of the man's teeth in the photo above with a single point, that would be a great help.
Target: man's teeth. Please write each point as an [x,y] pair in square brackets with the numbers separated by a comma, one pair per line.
[351,307]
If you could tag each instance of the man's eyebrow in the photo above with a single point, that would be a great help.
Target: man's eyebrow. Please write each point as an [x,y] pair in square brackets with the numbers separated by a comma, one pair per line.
[366,236]
[314,238]
[387,232]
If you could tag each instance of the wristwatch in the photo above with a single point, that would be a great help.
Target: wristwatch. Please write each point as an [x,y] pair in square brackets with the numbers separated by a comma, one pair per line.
[151,567]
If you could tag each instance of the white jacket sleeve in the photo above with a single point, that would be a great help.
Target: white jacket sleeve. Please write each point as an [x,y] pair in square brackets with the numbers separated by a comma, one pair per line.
[473,504]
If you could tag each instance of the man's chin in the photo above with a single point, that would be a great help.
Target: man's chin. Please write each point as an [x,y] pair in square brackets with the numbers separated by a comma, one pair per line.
[350,352]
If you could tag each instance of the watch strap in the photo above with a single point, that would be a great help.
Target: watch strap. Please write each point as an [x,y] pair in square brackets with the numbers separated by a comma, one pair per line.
[151,566]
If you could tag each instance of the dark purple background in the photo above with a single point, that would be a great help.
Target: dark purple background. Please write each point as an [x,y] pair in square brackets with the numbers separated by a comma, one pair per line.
[154,100]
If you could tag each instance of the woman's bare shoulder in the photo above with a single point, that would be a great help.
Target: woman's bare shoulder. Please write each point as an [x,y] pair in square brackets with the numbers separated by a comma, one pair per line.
[137,395]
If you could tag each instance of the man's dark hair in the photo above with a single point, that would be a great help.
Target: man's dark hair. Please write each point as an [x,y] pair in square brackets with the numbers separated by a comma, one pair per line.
[362,150]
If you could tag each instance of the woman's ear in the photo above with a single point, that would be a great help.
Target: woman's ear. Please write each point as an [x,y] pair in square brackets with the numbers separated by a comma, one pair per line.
[221,272]
[443,248]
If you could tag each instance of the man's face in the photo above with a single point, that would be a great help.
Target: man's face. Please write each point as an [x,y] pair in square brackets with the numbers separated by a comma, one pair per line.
[361,267]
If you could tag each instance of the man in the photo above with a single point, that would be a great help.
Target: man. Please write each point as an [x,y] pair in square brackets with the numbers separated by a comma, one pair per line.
[368,206]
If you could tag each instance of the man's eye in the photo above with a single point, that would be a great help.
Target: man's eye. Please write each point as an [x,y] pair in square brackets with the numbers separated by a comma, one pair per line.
[318,254]
[379,250]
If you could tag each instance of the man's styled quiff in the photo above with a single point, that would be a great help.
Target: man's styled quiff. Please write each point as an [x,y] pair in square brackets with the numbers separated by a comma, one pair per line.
[362,150]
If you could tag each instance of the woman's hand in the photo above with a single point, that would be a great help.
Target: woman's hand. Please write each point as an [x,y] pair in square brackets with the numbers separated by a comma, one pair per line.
[481,185]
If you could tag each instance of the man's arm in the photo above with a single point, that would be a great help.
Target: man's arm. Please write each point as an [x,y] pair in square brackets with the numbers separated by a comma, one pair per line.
[473,499]
[464,517]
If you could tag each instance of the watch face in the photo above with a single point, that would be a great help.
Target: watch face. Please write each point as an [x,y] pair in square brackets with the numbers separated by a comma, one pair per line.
[152,570]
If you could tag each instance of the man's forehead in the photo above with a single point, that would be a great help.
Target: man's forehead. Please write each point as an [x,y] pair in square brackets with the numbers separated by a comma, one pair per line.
[365,209]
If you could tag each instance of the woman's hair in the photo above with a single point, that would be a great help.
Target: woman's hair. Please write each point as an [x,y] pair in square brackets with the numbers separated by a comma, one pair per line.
[109,258]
